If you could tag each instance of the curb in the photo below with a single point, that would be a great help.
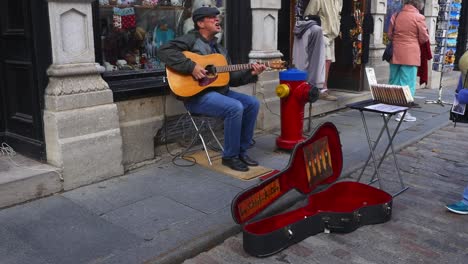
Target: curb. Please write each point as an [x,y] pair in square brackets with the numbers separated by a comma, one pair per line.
[216,237]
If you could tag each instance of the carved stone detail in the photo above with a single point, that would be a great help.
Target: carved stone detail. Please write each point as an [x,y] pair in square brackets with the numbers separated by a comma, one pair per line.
[74,79]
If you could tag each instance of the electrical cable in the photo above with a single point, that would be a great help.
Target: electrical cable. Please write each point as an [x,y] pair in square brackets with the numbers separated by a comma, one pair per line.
[8,151]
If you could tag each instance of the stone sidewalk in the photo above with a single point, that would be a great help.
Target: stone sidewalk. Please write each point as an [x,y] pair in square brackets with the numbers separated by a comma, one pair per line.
[165,213]
[421,229]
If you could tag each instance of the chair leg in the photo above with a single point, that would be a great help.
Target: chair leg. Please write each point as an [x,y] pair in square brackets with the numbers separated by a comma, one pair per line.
[201,136]
[215,137]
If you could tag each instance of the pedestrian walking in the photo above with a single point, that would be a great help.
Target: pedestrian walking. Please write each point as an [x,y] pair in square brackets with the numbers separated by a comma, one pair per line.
[460,207]
[329,13]
[408,31]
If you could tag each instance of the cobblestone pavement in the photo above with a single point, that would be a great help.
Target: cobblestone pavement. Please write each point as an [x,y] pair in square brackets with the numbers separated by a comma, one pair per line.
[420,231]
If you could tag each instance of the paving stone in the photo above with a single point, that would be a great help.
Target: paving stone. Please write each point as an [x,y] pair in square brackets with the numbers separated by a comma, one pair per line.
[148,217]
[63,232]
[421,229]
[13,250]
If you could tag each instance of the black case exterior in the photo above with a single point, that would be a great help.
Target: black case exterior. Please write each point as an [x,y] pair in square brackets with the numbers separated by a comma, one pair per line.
[274,242]
[316,217]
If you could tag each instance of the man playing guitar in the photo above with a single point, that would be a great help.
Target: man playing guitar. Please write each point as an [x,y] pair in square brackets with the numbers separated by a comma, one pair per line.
[238,110]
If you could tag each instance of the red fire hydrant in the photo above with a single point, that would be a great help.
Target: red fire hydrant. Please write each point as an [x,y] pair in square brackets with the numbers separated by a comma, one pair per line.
[294,92]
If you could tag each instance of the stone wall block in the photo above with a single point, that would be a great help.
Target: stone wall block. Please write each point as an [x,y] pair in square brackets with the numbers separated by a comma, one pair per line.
[91,158]
[90,120]
[174,106]
[140,109]
[138,140]
[265,90]
[95,134]
[140,120]
[75,101]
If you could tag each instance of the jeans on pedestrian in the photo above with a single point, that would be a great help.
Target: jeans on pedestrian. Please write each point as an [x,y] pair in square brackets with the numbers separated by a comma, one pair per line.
[465,195]
[239,112]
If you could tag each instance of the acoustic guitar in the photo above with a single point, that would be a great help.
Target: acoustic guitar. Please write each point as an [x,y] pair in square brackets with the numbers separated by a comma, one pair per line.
[217,68]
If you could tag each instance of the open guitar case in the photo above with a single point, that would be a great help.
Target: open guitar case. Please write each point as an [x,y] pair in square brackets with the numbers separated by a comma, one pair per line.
[341,207]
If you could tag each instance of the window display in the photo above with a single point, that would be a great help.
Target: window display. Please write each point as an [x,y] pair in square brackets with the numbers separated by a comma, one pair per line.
[131,31]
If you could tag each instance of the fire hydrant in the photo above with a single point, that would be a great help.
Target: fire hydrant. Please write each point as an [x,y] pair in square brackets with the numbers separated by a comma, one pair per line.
[294,92]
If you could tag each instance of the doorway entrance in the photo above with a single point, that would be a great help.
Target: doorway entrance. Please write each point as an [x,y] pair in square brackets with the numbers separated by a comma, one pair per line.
[24,57]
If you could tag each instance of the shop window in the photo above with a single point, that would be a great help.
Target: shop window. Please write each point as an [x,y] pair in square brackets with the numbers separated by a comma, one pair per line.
[129,33]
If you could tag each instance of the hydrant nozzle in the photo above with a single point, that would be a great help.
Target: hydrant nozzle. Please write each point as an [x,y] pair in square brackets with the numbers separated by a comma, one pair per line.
[282,90]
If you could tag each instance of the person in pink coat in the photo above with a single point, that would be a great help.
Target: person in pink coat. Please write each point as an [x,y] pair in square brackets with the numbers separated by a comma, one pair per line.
[410,32]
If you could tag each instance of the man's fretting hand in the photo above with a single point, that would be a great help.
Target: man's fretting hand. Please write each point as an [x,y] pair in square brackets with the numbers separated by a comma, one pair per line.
[198,72]
[258,68]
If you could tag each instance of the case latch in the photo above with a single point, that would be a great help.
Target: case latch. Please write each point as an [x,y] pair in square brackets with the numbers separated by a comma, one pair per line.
[357,216]
[387,209]
[289,233]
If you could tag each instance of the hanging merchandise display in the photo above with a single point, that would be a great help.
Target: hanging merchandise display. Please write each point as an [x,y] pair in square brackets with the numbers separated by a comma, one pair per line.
[356,33]
[132,31]
[446,38]
[446,35]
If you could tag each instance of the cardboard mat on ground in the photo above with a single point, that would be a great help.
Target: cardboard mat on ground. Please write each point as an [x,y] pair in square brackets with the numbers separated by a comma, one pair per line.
[253,172]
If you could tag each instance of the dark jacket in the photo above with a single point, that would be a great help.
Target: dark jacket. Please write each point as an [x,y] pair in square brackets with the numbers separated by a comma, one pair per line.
[171,54]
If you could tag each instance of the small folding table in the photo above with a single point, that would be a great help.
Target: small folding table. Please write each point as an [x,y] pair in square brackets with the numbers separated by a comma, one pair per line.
[387,111]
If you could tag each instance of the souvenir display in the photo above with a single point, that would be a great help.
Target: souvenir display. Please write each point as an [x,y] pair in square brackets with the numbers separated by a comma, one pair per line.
[133,30]
[162,33]
[446,35]
[124,18]
[149,3]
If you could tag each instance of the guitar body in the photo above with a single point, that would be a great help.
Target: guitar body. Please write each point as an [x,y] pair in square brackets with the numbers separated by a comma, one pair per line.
[185,85]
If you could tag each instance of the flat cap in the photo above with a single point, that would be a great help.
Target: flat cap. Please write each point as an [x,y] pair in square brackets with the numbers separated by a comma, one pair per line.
[203,12]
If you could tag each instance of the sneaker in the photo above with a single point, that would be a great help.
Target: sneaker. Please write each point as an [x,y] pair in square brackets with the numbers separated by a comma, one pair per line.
[414,105]
[326,96]
[408,117]
[458,208]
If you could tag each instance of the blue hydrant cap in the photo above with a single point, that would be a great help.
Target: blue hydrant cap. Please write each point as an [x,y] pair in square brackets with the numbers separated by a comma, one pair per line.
[293,75]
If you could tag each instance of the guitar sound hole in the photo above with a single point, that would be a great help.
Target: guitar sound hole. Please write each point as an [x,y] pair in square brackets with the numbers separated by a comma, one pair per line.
[211,71]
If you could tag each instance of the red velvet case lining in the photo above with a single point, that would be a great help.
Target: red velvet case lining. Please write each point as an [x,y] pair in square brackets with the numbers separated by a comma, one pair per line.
[342,197]
[293,177]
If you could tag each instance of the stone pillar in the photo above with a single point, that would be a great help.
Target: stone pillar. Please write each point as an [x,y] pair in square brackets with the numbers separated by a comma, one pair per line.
[81,123]
[265,29]
[431,11]
[264,48]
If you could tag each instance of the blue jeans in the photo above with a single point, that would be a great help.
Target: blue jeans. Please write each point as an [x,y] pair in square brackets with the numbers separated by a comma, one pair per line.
[404,75]
[465,195]
[239,112]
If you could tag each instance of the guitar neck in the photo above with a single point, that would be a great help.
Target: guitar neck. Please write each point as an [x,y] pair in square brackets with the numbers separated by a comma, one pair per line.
[236,67]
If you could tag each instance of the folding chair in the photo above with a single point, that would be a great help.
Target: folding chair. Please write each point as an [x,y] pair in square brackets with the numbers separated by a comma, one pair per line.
[199,129]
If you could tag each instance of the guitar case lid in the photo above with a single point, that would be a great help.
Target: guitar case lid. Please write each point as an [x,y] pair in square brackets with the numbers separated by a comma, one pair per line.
[324,157]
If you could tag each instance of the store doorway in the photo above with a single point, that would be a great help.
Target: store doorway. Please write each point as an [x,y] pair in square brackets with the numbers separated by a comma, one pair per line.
[24,57]
[347,73]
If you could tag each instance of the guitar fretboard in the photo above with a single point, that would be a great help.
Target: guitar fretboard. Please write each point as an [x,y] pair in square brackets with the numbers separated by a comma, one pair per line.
[236,67]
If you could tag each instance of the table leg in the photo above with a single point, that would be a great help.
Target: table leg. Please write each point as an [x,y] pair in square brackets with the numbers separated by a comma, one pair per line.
[369,157]
[371,149]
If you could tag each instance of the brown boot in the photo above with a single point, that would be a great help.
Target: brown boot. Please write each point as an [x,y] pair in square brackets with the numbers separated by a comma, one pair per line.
[326,96]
